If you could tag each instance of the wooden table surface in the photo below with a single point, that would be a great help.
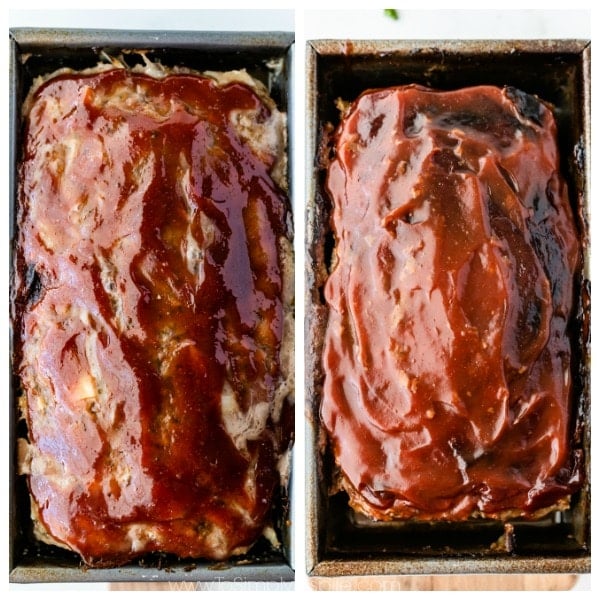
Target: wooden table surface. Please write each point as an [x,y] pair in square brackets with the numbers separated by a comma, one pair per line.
[526,582]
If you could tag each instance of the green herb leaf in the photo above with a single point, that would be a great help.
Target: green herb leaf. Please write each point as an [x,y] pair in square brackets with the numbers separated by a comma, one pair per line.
[392,13]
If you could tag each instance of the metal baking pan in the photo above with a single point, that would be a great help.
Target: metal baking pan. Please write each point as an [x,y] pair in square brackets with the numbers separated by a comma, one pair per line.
[339,542]
[266,56]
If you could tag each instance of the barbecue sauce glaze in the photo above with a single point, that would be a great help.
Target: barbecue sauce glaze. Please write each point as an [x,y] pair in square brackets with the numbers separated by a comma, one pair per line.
[149,313]
[447,358]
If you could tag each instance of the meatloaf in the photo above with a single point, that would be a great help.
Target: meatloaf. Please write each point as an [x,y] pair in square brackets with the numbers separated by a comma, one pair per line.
[447,356]
[153,311]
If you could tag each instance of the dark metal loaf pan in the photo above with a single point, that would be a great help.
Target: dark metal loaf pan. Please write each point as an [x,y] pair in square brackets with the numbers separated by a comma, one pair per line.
[40,51]
[338,541]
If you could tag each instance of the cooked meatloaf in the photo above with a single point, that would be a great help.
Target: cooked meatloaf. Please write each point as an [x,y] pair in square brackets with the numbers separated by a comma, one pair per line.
[153,311]
[447,356]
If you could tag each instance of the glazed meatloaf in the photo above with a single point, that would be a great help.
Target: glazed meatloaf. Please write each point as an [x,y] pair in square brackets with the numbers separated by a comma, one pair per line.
[153,307]
[447,356]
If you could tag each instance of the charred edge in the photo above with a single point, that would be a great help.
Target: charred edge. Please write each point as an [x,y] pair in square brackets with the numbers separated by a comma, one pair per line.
[324,234]
[529,107]
[321,253]
[33,285]
[580,343]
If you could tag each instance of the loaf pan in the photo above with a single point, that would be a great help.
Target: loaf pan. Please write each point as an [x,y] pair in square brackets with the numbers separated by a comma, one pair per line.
[267,57]
[340,542]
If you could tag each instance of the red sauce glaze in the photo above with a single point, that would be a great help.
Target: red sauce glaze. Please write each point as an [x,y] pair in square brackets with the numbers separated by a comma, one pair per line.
[148,232]
[447,356]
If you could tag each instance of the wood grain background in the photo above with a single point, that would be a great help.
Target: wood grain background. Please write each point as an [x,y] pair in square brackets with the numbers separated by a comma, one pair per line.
[528,582]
